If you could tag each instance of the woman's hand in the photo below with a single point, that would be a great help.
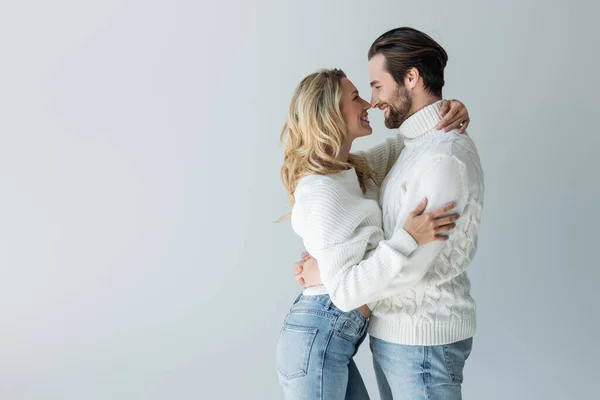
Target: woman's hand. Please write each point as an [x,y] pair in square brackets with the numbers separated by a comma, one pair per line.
[456,116]
[425,228]
[307,272]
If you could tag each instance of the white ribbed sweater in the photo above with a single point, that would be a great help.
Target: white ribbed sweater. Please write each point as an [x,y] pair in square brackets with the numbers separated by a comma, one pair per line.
[340,227]
[418,296]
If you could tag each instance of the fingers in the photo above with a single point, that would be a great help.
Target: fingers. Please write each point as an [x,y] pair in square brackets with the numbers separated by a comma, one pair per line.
[305,255]
[300,280]
[445,228]
[441,221]
[420,208]
[441,211]
[465,123]
[449,118]
[459,121]
[298,269]
[440,238]
[445,107]
[456,116]
[453,126]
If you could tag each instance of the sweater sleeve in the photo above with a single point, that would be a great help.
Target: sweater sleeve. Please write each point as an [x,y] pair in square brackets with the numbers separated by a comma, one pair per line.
[442,180]
[333,230]
[334,238]
[383,156]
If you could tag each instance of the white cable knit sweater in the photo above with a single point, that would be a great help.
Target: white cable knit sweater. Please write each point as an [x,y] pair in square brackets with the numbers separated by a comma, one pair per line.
[444,167]
[418,296]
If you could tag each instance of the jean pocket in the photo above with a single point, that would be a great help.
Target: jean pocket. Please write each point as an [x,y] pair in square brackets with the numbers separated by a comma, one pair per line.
[456,355]
[350,330]
[293,350]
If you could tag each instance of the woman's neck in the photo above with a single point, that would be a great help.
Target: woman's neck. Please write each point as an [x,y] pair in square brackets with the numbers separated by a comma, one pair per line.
[344,152]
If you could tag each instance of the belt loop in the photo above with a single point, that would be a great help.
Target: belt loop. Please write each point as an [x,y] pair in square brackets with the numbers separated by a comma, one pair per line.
[328,304]
[298,298]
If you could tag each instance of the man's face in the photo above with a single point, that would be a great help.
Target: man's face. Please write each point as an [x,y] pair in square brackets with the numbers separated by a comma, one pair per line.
[393,99]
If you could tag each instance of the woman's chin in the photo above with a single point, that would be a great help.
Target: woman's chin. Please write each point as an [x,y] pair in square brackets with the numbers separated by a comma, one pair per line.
[361,133]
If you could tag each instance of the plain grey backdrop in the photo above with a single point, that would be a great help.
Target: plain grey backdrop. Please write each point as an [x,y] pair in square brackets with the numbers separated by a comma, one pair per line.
[139,182]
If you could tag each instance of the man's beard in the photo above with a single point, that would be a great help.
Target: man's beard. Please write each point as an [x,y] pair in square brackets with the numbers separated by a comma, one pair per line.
[399,106]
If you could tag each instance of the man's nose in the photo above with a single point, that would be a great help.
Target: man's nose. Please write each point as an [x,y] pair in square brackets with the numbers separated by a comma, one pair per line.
[374,101]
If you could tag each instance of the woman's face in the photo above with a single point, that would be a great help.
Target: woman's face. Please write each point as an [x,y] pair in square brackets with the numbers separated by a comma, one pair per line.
[354,110]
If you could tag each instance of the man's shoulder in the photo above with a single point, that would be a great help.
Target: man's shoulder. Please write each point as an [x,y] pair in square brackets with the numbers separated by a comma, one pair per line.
[452,145]
[453,149]
[462,142]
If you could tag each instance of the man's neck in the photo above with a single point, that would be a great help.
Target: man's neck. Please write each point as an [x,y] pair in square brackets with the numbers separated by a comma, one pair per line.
[426,116]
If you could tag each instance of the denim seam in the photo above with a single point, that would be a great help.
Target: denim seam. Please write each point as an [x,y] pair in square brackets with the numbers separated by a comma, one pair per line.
[315,312]
[449,365]
[332,330]
[426,370]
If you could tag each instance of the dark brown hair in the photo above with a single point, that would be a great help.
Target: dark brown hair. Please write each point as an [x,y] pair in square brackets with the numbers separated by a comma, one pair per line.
[405,48]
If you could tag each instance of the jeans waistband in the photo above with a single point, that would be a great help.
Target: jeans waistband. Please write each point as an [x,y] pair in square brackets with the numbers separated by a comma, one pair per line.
[327,304]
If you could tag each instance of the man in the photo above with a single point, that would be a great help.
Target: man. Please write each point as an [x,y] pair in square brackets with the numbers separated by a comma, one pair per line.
[421,334]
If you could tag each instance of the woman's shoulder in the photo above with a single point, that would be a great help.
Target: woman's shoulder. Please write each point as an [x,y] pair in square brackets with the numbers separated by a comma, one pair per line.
[315,185]
[339,191]
[315,189]
[314,195]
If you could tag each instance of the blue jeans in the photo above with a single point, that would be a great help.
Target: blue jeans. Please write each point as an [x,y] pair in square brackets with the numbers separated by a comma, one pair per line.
[419,372]
[315,350]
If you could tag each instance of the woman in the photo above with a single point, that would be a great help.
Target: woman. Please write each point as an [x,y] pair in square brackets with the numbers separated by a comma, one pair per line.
[318,340]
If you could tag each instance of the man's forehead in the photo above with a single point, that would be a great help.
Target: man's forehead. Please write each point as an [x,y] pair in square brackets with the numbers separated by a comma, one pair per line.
[376,66]
[377,60]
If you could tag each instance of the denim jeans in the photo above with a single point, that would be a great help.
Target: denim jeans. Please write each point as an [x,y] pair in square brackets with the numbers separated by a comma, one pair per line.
[315,350]
[419,372]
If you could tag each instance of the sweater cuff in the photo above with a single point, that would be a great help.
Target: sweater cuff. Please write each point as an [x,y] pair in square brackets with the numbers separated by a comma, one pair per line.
[403,242]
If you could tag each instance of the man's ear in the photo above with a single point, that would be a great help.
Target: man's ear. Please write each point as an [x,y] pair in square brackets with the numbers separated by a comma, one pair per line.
[411,78]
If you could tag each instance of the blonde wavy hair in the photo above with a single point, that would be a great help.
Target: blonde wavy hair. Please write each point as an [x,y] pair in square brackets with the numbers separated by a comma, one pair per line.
[315,132]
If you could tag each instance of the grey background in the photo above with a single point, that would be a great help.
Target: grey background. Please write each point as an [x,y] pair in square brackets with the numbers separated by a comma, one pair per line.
[139,176]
